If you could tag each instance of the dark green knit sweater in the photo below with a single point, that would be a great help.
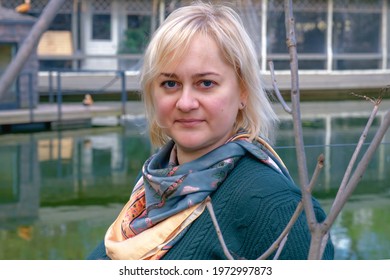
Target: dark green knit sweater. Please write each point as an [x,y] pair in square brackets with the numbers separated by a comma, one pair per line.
[252,206]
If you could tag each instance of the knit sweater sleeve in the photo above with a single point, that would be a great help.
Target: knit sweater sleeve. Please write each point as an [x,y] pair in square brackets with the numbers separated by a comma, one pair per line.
[272,200]
[298,239]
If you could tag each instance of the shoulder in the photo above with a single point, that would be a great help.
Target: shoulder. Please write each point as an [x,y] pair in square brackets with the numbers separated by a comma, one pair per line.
[255,190]
[263,203]
[258,181]
[254,177]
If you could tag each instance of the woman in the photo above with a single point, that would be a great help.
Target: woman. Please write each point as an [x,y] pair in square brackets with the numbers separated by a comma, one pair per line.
[206,110]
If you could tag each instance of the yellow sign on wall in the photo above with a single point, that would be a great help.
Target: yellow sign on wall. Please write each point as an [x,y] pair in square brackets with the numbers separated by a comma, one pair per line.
[55,43]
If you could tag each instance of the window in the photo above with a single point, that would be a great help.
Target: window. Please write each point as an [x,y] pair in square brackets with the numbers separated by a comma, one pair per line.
[310,29]
[7,52]
[101,27]
[310,32]
[356,35]
[136,36]
[47,65]
[62,22]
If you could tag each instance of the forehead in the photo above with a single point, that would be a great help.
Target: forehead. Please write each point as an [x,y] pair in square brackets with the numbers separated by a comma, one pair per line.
[201,51]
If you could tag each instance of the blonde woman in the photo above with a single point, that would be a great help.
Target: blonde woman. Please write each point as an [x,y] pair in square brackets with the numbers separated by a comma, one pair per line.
[210,119]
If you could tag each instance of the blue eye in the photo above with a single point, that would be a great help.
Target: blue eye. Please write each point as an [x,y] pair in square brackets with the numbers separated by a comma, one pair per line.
[207,83]
[169,84]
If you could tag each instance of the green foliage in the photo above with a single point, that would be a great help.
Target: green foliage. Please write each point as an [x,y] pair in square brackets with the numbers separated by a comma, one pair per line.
[136,38]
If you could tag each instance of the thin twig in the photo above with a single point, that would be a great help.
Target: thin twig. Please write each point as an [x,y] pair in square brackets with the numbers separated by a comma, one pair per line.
[279,251]
[358,148]
[372,100]
[317,242]
[376,101]
[309,209]
[217,229]
[276,89]
[358,173]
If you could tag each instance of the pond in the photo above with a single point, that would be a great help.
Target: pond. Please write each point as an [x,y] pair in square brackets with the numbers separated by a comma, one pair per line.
[60,190]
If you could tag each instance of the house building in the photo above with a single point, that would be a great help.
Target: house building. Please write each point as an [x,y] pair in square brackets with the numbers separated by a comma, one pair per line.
[343,44]
[14,27]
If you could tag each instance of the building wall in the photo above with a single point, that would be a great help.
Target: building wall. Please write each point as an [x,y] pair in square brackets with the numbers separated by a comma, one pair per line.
[331,35]
[23,92]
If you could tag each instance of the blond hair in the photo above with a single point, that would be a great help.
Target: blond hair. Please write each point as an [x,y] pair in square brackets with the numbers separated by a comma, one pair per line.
[222,24]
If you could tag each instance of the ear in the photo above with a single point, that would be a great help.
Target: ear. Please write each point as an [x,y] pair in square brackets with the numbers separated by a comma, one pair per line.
[243,97]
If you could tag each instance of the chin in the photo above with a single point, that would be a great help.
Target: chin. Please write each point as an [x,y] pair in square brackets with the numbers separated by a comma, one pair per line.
[189,144]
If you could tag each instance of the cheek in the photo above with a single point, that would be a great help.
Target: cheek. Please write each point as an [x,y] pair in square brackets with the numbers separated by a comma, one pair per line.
[227,105]
[163,107]
[224,110]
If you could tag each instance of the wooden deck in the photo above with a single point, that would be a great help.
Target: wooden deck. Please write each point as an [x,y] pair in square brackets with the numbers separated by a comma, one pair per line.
[70,115]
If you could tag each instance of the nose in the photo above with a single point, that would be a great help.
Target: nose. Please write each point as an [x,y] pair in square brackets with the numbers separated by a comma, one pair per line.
[187,100]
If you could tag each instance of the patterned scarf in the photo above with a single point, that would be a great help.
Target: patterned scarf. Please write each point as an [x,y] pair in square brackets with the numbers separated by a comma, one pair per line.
[168,197]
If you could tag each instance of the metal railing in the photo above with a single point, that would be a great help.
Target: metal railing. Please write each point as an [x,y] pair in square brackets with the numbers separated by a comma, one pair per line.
[59,91]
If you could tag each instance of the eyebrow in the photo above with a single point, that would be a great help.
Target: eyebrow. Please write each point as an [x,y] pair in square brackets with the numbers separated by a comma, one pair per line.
[168,75]
[198,75]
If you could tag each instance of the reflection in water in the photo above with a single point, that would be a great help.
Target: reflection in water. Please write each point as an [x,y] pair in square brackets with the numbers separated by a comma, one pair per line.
[362,230]
[59,191]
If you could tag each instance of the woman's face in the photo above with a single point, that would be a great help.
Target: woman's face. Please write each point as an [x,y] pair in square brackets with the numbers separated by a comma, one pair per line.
[197,99]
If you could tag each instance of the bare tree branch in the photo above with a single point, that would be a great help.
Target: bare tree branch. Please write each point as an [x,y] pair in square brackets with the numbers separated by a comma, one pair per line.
[295,94]
[217,229]
[276,89]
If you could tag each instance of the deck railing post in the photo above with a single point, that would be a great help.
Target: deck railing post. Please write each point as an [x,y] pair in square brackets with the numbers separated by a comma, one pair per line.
[124,93]
[30,96]
[51,86]
[59,96]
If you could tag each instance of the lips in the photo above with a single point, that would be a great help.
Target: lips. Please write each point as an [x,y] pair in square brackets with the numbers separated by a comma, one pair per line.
[188,122]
